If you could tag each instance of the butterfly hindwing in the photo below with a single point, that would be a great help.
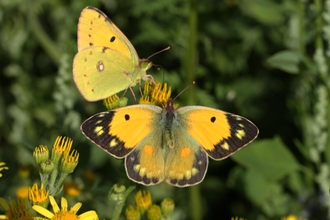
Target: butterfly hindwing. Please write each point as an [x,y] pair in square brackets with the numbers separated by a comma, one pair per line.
[219,133]
[145,164]
[172,156]
[93,67]
[186,162]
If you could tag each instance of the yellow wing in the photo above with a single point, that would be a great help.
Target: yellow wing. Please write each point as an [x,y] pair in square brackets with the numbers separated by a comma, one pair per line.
[96,29]
[219,133]
[100,72]
[119,131]
[186,162]
[166,153]
[106,62]
[145,165]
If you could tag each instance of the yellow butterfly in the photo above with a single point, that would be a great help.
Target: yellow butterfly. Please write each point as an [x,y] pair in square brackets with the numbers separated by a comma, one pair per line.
[168,144]
[106,62]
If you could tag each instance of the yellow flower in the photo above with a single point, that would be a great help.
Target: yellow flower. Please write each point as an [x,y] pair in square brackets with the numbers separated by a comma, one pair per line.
[2,167]
[155,94]
[22,192]
[72,188]
[154,212]
[64,213]
[69,161]
[38,196]
[290,217]
[114,101]
[143,200]
[41,154]
[62,145]
[167,206]
[15,210]
[160,93]
[132,213]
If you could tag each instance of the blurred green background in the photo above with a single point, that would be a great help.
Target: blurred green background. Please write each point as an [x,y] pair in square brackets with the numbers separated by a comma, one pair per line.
[266,60]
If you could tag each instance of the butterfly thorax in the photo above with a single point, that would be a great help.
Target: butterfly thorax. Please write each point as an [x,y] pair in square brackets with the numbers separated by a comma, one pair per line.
[170,114]
[169,111]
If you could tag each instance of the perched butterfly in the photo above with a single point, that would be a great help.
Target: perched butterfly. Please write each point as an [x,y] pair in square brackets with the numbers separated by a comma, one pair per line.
[106,62]
[168,144]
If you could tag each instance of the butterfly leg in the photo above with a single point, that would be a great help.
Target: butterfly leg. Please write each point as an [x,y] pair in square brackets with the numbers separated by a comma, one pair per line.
[151,78]
[130,87]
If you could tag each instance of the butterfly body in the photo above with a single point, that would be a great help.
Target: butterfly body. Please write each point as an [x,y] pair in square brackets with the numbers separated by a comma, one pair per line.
[106,62]
[168,144]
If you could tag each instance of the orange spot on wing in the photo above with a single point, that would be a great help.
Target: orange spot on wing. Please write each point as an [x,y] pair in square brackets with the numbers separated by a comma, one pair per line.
[185,152]
[148,150]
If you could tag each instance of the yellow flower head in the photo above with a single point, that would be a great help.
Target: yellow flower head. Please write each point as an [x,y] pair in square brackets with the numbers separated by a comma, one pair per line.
[155,94]
[154,212]
[167,206]
[72,189]
[290,217]
[15,210]
[114,101]
[22,192]
[64,213]
[132,213]
[41,154]
[143,200]
[38,196]
[160,93]
[69,161]
[62,145]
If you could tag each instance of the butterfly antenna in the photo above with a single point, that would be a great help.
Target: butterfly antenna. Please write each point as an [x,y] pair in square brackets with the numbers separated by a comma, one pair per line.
[165,49]
[193,83]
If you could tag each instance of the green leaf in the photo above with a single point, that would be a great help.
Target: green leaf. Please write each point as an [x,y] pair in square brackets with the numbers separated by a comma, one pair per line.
[270,158]
[286,60]
[263,11]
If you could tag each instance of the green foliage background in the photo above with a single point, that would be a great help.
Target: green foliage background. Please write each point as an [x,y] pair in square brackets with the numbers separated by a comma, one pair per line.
[266,60]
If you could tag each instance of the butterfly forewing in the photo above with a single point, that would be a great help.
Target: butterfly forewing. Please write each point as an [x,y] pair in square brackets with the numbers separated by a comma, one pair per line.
[242,132]
[97,130]
[219,133]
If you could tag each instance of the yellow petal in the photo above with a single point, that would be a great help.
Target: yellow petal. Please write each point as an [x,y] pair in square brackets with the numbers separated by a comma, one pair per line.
[42,211]
[56,209]
[4,204]
[90,215]
[76,207]
[64,204]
